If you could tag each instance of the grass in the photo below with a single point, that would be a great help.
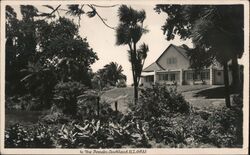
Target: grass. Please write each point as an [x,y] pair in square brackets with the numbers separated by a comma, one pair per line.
[186,88]
[23,117]
[124,96]
[129,91]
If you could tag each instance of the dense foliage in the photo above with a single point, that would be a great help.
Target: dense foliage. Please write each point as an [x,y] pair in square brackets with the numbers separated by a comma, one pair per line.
[66,94]
[110,75]
[160,100]
[168,123]
[42,53]
[39,135]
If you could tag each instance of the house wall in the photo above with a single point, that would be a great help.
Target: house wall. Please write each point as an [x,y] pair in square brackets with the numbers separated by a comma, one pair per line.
[177,77]
[182,62]
[187,81]
[219,77]
[215,77]
[146,82]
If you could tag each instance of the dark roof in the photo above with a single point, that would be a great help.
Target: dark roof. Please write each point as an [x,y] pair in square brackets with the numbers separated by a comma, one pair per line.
[154,66]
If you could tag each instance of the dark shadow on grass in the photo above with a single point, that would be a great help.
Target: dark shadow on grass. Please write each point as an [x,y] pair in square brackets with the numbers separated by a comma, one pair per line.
[22,117]
[213,93]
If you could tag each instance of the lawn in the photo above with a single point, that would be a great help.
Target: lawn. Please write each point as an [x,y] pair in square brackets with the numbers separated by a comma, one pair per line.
[186,88]
[124,96]
[23,117]
[128,91]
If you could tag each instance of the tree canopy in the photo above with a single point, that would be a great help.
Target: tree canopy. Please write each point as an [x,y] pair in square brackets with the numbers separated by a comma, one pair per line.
[111,74]
[40,53]
[218,28]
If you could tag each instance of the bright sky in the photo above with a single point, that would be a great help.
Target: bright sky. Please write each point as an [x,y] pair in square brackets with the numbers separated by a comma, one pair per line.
[102,39]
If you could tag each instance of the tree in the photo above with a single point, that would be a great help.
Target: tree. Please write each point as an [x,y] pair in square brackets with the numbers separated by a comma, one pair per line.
[20,46]
[41,53]
[214,29]
[63,48]
[111,74]
[129,32]
[40,82]
[11,50]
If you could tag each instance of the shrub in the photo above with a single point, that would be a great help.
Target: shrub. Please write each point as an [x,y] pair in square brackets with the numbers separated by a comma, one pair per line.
[179,131]
[99,134]
[39,136]
[160,100]
[226,127]
[66,96]
[55,118]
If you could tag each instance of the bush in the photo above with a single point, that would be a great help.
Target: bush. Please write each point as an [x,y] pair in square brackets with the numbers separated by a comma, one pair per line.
[39,136]
[179,131]
[99,134]
[55,117]
[226,127]
[160,100]
[87,109]
[66,96]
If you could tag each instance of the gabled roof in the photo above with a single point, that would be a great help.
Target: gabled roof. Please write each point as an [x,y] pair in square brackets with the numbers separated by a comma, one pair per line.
[180,49]
[153,67]
[156,66]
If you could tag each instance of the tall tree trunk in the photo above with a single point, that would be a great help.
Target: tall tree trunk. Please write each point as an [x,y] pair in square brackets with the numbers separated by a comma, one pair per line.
[226,81]
[135,92]
[236,82]
[133,59]
[136,74]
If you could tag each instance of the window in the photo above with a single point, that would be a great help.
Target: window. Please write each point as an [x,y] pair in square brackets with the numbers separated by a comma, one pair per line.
[190,76]
[163,77]
[205,75]
[172,77]
[172,60]
[149,78]
[166,77]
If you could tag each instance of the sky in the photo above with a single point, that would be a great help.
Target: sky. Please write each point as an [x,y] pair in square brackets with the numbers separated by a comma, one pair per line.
[102,39]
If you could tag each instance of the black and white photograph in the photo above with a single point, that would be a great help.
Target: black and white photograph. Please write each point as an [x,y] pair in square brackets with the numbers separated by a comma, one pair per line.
[132,77]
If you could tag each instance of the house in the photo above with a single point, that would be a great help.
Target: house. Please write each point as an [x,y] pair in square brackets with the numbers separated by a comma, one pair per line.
[173,67]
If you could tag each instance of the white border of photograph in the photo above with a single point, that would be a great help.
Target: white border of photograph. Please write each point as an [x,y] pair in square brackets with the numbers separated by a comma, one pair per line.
[245,58]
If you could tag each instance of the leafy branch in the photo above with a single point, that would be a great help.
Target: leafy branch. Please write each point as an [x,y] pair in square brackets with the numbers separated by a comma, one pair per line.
[78,11]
